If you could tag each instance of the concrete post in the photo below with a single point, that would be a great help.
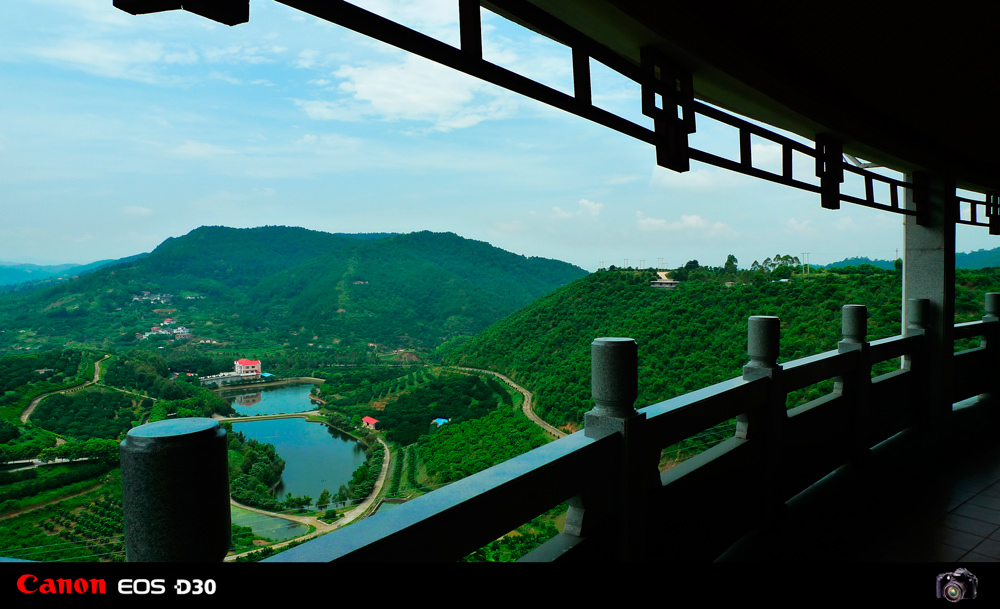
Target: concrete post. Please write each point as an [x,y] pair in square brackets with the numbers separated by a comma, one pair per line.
[615,386]
[929,273]
[856,385]
[991,336]
[175,491]
[766,425]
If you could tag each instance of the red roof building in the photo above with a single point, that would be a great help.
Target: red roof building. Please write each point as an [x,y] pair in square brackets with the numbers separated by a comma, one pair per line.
[247,367]
[369,422]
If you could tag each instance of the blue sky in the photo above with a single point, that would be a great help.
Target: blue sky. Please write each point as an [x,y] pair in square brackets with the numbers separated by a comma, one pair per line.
[119,132]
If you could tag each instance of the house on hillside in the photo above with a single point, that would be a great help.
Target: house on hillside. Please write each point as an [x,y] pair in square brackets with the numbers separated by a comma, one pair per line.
[247,367]
[369,422]
[667,284]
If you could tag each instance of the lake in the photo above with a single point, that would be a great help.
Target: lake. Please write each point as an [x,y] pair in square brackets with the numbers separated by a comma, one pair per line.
[316,456]
[280,399]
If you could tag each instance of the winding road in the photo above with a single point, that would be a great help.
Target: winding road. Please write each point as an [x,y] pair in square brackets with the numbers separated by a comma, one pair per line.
[26,414]
[526,406]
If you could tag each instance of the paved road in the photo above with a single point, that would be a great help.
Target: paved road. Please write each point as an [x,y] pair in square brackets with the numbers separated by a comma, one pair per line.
[34,403]
[526,406]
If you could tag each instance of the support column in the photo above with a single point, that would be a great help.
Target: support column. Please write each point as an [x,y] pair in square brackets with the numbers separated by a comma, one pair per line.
[856,385]
[614,383]
[929,273]
[175,491]
[766,425]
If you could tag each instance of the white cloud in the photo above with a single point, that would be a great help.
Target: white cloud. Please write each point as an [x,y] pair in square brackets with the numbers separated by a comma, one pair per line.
[329,110]
[191,148]
[135,210]
[845,223]
[803,228]
[129,60]
[559,213]
[226,78]
[435,18]
[513,226]
[413,90]
[701,178]
[685,223]
[239,54]
[590,207]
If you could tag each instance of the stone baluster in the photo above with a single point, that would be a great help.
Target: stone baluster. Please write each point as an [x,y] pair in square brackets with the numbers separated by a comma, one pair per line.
[990,340]
[855,386]
[175,491]
[766,424]
[614,384]
[917,315]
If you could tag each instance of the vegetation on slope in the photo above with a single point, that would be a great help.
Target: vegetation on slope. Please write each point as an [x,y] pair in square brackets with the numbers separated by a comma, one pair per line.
[274,287]
[689,337]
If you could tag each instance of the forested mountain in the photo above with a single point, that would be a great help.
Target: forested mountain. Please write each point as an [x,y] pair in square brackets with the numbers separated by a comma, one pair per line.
[885,265]
[12,273]
[979,259]
[287,287]
[689,337]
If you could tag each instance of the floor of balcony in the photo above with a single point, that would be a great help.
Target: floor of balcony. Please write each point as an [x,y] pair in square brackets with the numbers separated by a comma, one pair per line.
[939,507]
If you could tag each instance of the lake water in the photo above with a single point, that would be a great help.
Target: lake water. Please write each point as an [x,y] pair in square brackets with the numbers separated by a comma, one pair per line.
[280,399]
[316,456]
[276,529]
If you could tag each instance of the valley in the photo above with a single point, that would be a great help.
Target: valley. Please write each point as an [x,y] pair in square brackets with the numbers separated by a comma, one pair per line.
[427,356]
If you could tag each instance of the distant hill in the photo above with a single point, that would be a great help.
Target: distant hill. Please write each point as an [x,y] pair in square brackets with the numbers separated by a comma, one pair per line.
[886,265]
[286,287]
[13,273]
[979,259]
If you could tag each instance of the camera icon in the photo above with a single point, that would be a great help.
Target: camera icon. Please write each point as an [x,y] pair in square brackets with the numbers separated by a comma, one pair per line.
[957,585]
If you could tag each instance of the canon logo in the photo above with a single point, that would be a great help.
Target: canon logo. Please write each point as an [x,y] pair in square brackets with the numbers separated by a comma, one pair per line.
[28,584]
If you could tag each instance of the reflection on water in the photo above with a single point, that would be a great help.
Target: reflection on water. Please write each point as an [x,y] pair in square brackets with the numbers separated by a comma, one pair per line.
[316,457]
[283,399]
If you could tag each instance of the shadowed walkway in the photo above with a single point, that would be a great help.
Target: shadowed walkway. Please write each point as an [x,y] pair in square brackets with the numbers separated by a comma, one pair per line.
[932,508]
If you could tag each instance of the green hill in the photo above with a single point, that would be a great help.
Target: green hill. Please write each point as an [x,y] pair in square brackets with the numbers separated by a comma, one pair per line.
[280,287]
[979,259]
[689,337]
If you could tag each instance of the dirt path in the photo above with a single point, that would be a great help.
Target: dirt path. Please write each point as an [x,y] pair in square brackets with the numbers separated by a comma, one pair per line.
[26,414]
[360,511]
[526,406]
[36,506]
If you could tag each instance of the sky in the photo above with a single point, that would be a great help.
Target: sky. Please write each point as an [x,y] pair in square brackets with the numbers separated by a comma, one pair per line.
[121,131]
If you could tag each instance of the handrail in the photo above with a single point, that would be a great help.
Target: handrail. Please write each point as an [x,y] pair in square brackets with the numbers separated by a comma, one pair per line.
[894,346]
[970,329]
[673,420]
[811,370]
[476,509]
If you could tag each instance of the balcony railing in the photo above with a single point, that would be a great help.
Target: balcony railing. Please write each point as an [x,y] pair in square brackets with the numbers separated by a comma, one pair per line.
[623,508]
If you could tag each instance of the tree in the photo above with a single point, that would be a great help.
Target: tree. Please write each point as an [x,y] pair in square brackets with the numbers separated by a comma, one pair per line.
[782,272]
[731,263]
[324,500]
